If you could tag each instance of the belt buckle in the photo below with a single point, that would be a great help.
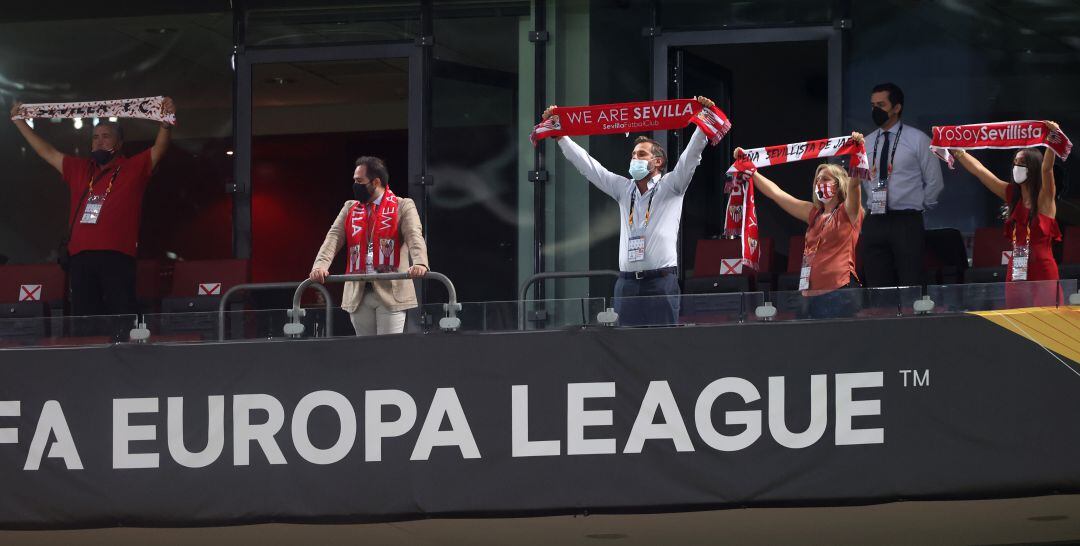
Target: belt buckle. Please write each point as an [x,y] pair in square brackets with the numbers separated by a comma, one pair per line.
[639,275]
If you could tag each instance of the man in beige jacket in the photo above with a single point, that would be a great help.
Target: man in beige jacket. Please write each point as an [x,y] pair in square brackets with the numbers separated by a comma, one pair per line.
[380,310]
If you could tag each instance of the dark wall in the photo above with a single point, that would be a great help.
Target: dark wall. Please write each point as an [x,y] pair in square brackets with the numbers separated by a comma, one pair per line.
[299,183]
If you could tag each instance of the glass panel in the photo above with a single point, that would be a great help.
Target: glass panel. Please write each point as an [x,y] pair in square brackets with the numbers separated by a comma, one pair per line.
[311,121]
[959,298]
[707,14]
[64,331]
[845,303]
[277,24]
[1026,52]
[700,309]
[240,324]
[496,316]
[472,210]
[185,210]
[690,309]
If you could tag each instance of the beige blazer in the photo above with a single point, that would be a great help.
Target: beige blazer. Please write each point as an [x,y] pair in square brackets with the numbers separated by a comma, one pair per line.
[395,295]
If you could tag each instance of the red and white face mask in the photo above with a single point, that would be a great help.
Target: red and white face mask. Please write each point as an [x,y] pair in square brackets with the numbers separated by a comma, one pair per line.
[825,190]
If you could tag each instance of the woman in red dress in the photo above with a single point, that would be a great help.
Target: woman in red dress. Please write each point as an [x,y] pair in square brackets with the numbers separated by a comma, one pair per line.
[1030,226]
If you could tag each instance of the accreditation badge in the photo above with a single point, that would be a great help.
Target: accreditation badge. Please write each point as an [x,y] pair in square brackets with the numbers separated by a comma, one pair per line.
[804,271]
[93,209]
[635,248]
[879,199]
[1020,262]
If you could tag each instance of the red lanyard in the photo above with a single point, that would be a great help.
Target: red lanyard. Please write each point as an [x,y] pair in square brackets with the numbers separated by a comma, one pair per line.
[1027,237]
[108,188]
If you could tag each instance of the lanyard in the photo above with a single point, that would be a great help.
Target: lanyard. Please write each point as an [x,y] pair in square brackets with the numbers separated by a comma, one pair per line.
[108,189]
[370,221]
[892,155]
[821,234]
[648,209]
[1027,237]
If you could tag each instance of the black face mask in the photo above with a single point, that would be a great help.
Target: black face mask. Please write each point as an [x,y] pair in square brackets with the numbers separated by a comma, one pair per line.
[362,192]
[101,157]
[880,116]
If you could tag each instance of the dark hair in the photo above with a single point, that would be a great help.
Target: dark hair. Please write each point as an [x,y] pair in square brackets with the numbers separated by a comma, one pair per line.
[116,129]
[657,149]
[375,168]
[1032,159]
[896,95]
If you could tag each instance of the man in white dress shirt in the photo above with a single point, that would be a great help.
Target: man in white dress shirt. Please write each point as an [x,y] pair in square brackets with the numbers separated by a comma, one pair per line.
[905,181]
[650,207]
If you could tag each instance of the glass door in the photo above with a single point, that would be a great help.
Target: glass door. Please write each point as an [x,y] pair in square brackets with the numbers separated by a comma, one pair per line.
[310,113]
[777,86]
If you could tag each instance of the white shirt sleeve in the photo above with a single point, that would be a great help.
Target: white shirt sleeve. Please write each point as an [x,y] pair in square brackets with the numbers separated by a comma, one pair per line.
[678,180]
[933,182]
[607,181]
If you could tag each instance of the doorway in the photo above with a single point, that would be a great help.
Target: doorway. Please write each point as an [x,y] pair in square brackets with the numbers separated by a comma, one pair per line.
[777,86]
[304,116]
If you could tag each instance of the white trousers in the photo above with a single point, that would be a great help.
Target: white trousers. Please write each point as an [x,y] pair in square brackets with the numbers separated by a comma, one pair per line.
[373,318]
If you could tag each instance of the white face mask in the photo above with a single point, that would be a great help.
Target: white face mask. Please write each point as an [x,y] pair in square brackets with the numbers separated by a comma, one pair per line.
[639,168]
[1019,174]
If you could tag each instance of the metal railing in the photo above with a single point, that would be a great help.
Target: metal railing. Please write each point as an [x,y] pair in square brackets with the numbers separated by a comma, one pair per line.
[253,287]
[556,275]
[448,323]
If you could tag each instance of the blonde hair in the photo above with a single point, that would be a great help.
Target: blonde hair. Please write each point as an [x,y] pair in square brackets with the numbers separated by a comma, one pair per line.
[839,174]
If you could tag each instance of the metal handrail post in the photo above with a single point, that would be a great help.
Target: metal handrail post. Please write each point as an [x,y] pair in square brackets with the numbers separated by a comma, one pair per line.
[269,286]
[449,323]
[555,275]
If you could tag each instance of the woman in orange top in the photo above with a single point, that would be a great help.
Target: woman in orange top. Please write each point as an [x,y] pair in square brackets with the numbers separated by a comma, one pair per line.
[1031,223]
[834,218]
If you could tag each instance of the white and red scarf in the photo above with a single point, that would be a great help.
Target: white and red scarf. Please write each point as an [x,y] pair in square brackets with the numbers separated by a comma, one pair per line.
[381,228]
[741,217]
[626,117]
[1000,135]
[143,108]
[859,167]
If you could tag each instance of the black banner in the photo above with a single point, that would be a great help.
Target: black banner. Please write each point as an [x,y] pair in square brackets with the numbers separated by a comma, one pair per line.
[404,427]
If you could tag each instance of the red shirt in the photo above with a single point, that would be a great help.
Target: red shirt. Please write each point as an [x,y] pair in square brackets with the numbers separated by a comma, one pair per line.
[117,227]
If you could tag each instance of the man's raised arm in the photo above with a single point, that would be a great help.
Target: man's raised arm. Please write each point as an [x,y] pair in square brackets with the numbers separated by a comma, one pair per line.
[46,151]
[607,181]
[164,136]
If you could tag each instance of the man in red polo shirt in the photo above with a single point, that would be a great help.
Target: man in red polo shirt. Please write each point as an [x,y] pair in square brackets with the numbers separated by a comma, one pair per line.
[106,192]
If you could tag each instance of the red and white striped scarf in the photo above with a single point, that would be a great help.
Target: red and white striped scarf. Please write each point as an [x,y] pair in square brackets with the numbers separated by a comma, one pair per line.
[741,217]
[626,117]
[380,228]
[1000,135]
[801,151]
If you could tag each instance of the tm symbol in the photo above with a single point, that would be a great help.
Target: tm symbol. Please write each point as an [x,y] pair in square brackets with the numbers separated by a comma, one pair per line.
[915,378]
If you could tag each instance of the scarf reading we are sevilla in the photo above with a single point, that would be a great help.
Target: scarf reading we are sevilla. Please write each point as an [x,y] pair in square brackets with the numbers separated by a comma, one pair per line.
[603,119]
[143,108]
[380,227]
[1000,135]
[741,217]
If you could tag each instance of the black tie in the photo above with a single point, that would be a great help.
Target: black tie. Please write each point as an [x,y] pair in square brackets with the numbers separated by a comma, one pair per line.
[884,174]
